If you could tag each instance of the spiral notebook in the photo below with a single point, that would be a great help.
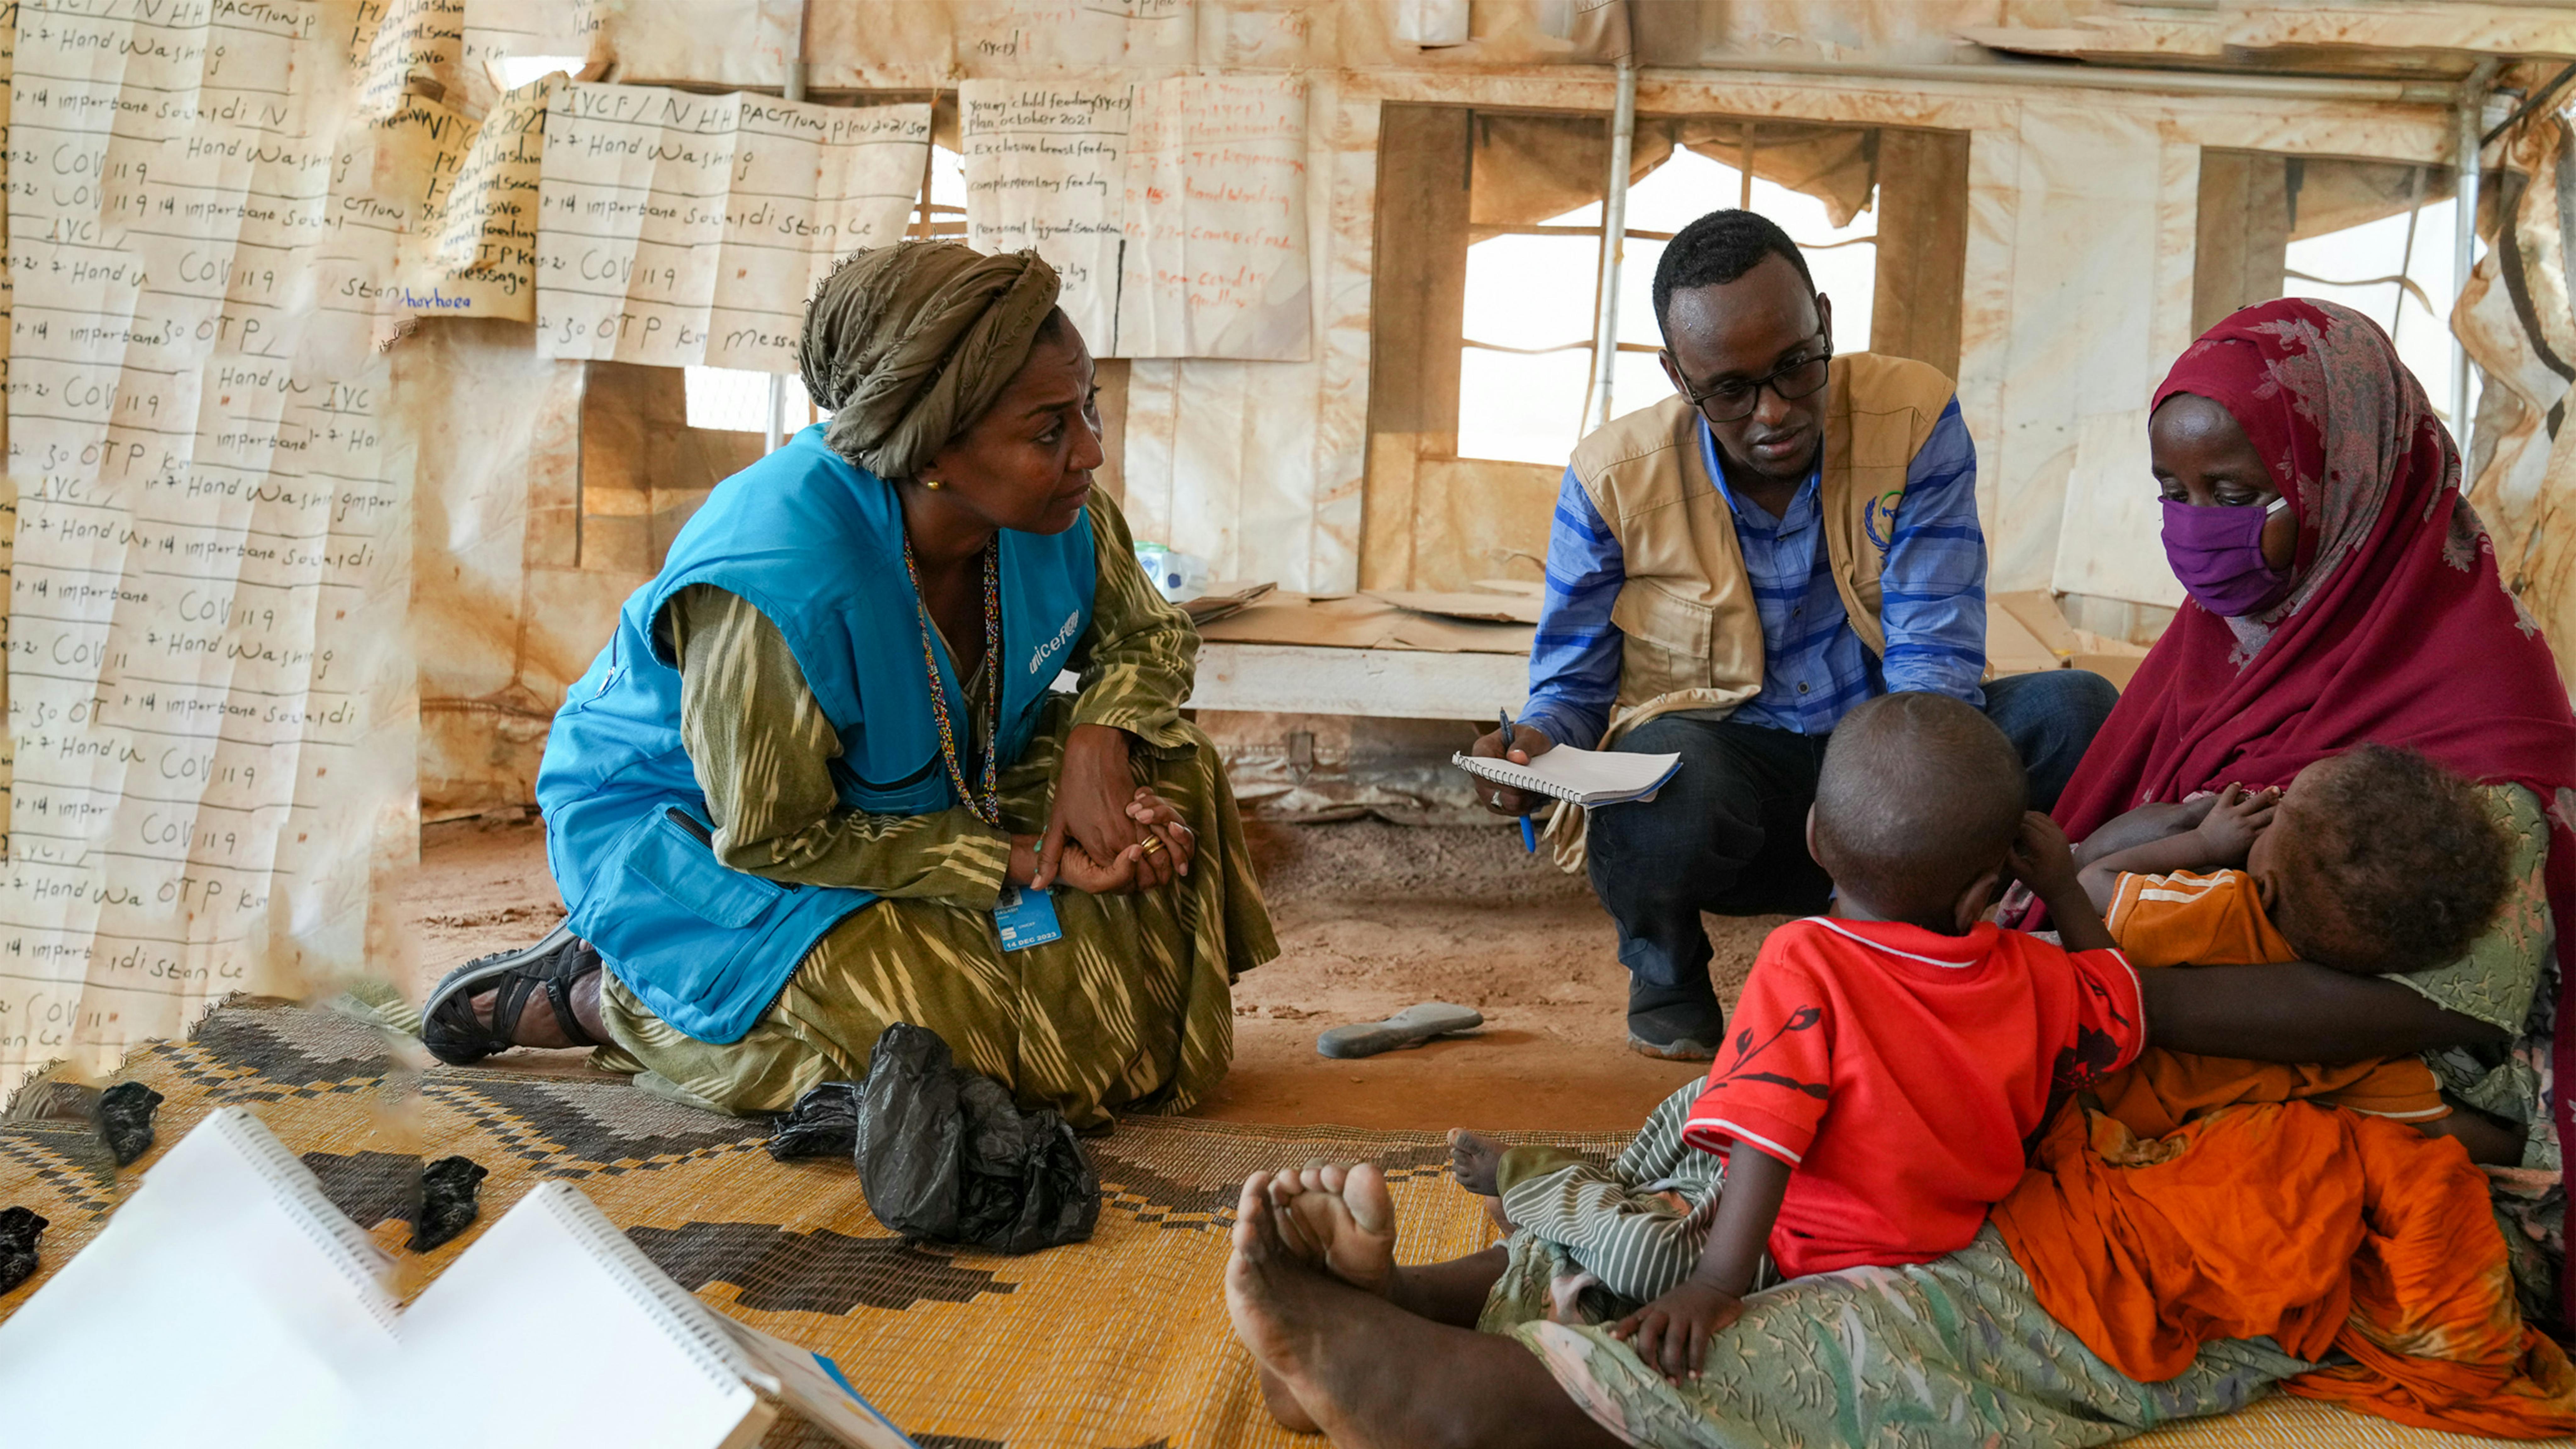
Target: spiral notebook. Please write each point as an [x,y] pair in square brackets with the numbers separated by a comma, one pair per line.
[226,1302]
[1583,777]
[229,1303]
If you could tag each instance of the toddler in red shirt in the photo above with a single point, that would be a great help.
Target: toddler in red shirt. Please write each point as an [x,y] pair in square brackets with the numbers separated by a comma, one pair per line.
[1887,1065]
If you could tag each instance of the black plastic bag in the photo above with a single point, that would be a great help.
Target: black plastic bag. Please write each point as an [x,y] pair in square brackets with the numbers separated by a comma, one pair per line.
[125,1120]
[19,1229]
[446,1204]
[944,1154]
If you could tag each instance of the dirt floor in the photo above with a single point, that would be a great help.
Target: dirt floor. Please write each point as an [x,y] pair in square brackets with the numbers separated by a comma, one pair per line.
[1371,918]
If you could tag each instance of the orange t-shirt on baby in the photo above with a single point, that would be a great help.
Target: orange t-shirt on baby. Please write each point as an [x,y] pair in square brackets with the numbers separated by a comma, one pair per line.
[2217,919]
[2200,920]
[1900,1071]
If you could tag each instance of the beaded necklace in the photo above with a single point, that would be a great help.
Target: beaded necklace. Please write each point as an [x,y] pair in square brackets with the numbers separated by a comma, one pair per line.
[989,808]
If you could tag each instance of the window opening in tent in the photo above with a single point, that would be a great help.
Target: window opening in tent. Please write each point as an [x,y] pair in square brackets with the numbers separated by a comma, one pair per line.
[518,70]
[1525,366]
[942,210]
[736,400]
[2370,269]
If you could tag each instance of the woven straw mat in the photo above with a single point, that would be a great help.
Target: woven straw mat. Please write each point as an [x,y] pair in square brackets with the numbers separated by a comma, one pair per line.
[1116,1343]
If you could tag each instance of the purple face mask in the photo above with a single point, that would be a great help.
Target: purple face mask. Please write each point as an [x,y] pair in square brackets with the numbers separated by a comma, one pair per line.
[2217,552]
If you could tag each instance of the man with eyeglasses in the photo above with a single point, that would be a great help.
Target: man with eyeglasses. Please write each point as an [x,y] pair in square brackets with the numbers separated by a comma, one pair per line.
[1730,571]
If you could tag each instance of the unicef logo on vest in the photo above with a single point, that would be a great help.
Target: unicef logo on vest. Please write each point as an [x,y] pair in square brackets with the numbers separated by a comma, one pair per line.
[1063,636]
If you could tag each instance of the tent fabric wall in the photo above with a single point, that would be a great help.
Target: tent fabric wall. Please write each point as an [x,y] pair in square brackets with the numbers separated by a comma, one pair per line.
[1530,168]
[2517,319]
[1922,246]
[2075,258]
[495,427]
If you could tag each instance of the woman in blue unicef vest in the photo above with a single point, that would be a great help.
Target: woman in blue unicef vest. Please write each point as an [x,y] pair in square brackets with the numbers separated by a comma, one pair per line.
[818,781]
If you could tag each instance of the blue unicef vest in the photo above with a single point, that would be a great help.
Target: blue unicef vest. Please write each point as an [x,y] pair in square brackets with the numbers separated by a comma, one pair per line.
[817,546]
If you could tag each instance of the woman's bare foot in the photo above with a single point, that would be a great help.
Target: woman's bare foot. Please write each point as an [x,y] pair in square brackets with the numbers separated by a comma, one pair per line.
[1282,1404]
[1339,1217]
[1282,1304]
[1372,1375]
[1334,1217]
[1256,1232]
[1476,1162]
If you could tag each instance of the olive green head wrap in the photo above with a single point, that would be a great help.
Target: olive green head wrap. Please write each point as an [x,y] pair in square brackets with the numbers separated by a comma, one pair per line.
[905,345]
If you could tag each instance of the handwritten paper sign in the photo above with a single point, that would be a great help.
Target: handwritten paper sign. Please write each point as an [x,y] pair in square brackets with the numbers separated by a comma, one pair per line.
[1175,210]
[391,176]
[1062,34]
[630,214]
[206,659]
[420,39]
[811,184]
[1046,168]
[474,254]
[682,229]
[1215,220]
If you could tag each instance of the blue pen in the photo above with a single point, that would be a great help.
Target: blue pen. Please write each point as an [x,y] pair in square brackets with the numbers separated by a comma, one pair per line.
[1529,832]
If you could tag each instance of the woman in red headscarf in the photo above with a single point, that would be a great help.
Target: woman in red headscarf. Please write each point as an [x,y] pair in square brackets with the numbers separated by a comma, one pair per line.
[2342,591]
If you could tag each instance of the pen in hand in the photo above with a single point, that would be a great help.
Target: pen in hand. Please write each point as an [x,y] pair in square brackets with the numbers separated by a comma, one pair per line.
[1529,832]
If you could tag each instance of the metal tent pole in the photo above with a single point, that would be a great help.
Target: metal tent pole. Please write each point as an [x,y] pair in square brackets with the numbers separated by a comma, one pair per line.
[776,431]
[2469,120]
[1614,245]
[2406,259]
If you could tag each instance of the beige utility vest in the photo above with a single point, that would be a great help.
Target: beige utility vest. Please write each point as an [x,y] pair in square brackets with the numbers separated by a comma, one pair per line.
[1692,638]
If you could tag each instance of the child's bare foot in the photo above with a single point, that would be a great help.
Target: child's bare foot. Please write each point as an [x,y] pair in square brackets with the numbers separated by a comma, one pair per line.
[1339,1217]
[1476,1162]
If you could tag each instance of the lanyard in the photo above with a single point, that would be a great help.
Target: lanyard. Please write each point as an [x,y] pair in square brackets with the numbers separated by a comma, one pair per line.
[988,808]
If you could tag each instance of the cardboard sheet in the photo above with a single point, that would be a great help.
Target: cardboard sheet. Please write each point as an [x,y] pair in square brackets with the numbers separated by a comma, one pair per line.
[2036,613]
[1473,608]
[2012,647]
[1359,621]
[681,229]
[212,686]
[1222,600]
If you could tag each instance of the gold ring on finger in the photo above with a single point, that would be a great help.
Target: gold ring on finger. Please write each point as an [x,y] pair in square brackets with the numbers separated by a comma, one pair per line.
[1153,843]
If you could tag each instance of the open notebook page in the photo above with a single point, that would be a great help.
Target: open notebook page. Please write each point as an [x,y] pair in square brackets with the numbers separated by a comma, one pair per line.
[1586,777]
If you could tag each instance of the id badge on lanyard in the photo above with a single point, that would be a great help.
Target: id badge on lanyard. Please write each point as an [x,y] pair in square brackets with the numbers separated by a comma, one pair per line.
[1026,918]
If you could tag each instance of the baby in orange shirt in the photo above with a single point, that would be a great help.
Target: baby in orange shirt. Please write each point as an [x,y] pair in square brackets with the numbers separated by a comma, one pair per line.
[2374,861]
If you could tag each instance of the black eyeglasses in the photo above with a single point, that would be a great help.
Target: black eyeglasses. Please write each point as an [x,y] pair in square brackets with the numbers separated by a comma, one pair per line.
[1732,402]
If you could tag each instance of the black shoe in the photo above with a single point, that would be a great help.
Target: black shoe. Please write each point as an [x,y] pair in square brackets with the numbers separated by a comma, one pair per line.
[448,1026]
[1676,1025]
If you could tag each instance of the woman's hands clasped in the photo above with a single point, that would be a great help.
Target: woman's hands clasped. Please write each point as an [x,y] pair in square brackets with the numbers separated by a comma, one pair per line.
[1107,835]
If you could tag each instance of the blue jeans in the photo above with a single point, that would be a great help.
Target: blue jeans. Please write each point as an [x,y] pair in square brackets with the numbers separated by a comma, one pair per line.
[1728,834]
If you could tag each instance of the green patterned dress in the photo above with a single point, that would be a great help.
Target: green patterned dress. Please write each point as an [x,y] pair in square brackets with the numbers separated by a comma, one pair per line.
[1130,1010]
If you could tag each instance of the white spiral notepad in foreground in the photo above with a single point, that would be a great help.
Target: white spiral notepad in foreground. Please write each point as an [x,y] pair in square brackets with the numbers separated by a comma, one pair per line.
[264,1320]
[1585,777]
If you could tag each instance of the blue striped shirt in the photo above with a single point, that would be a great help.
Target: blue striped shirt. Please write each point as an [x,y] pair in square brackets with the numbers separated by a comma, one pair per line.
[1932,601]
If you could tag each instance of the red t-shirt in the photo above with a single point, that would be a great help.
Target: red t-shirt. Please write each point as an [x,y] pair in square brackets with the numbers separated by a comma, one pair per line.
[1900,1072]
